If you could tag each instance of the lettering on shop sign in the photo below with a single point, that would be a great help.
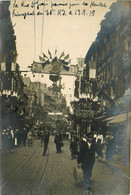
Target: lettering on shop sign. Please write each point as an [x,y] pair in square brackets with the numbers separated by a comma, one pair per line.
[49,8]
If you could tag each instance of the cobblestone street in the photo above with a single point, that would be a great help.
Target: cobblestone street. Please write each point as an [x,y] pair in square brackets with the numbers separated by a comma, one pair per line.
[26,171]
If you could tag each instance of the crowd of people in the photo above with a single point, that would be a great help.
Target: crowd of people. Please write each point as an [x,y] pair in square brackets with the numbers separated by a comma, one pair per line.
[13,138]
[84,148]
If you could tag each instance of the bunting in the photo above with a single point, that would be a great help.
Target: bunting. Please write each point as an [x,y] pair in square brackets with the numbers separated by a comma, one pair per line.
[69,61]
[49,54]
[54,59]
[55,51]
[42,59]
[63,62]
[66,67]
[44,56]
[62,55]
[66,57]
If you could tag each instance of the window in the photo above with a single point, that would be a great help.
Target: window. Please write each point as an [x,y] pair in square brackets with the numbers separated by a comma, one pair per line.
[42,75]
[34,75]
[24,75]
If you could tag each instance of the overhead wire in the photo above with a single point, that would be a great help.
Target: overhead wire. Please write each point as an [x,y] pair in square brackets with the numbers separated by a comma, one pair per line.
[34,33]
[42,28]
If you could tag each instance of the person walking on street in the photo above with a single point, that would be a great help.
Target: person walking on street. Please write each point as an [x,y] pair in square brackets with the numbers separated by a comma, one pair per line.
[13,138]
[41,137]
[16,137]
[46,141]
[99,148]
[9,140]
[58,141]
[73,148]
[3,140]
[24,135]
[30,138]
[86,157]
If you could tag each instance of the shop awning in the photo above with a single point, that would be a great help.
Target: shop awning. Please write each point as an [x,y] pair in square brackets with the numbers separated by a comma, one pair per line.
[104,118]
[108,119]
[100,117]
[119,119]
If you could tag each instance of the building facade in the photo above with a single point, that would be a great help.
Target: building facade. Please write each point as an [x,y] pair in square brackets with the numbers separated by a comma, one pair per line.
[13,100]
[109,57]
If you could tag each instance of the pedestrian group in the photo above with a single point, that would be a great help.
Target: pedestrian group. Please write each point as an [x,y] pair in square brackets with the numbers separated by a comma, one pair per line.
[84,149]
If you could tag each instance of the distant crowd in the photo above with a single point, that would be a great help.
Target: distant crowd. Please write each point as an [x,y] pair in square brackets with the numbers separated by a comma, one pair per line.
[14,138]
[11,139]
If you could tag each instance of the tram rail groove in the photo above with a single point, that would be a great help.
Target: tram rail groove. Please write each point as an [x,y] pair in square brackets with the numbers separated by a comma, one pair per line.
[42,177]
[21,167]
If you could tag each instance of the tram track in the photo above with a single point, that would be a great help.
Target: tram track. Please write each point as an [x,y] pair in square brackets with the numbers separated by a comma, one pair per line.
[42,177]
[20,168]
[25,167]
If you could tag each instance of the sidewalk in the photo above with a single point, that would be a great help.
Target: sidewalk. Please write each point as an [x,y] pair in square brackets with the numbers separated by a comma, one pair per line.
[117,165]
[116,162]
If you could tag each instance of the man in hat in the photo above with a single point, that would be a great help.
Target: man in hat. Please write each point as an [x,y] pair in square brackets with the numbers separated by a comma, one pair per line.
[86,158]
[46,141]
[57,141]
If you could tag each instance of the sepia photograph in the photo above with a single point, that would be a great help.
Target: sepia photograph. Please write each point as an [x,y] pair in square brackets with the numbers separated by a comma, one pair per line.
[65,97]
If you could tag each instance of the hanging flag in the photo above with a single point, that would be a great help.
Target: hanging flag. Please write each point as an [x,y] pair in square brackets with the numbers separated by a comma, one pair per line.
[44,56]
[62,55]
[66,67]
[66,57]
[13,66]
[63,62]
[55,56]
[54,59]
[42,59]
[70,61]
[55,51]
[47,62]
[67,61]
[3,66]
[49,54]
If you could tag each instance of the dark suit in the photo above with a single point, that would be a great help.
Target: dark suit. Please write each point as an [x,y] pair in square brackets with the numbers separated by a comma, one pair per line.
[86,157]
[46,141]
[57,141]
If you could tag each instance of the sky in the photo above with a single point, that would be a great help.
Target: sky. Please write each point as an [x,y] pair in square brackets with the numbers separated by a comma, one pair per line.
[72,34]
